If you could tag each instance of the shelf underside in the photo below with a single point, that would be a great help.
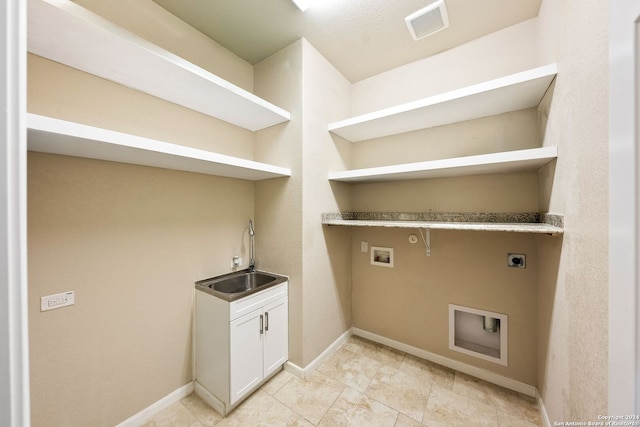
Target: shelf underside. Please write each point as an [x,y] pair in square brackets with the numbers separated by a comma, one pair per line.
[65,32]
[48,135]
[510,93]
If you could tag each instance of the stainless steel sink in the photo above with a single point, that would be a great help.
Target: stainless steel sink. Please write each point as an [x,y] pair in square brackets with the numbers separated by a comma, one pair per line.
[233,286]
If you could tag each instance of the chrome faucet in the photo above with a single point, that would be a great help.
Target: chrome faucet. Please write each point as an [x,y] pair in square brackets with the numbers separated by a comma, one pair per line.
[252,260]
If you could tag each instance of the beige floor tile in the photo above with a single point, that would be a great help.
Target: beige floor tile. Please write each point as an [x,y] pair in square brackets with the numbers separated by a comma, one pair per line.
[310,397]
[510,421]
[375,351]
[277,382]
[404,421]
[508,402]
[260,409]
[352,369]
[516,405]
[472,388]
[175,415]
[428,371]
[399,390]
[353,408]
[449,409]
[204,413]
[403,392]
[301,422]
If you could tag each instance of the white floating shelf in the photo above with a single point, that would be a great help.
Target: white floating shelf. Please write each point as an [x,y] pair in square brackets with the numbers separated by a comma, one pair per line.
[511,93]
[54,136]
[534,228]
[504,162]
[65,32]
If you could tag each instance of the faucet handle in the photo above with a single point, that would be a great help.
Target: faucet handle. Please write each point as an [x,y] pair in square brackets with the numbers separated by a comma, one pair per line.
[236,262]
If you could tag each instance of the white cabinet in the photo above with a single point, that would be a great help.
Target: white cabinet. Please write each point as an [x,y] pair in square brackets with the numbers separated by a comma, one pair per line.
[239,344]
[259,347]
[246,363]
[276,336]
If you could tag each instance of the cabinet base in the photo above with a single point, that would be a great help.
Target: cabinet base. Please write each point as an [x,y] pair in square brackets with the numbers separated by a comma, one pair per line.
[220,406]
[211,400]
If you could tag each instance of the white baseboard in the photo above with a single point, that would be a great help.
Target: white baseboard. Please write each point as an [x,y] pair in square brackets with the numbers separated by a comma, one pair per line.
[168,400]
[543,411]
[306,371]
[480,373]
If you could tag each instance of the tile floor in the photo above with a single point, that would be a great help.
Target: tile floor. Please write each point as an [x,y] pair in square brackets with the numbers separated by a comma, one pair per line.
[366,384]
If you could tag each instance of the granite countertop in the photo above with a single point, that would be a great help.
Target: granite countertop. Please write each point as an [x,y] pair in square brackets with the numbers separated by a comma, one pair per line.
[508,222]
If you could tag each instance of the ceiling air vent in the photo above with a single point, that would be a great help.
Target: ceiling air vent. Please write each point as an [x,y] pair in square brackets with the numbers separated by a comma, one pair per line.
[427,21]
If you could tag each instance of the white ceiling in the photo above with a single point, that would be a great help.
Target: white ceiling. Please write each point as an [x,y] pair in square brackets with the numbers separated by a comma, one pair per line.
[360,38]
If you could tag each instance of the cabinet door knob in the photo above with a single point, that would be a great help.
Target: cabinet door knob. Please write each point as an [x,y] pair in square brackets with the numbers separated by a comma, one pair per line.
[261,324]
[266,321]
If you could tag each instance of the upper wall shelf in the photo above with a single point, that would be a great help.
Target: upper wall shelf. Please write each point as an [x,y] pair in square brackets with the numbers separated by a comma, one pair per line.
[503,162]
[48,135]
[510,93]
[65,32]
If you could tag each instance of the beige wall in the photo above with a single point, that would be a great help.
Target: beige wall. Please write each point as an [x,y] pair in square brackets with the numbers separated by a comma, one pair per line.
[572,350]
[504,132]
[292,239]
[278,203]
[571,272]
[504,52]
[129,240]
[409,303]
[326,251]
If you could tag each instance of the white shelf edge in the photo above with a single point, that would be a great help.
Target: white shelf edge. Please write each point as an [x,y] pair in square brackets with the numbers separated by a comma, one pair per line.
[508,161]
[55,136]
[509,93]
[534,228]
[65,32]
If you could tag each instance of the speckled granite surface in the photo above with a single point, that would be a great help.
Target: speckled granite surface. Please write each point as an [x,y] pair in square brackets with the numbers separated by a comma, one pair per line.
[531,222]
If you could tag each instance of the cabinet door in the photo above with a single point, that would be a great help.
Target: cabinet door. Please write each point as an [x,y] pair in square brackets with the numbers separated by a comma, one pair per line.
[276,335]
[245,354]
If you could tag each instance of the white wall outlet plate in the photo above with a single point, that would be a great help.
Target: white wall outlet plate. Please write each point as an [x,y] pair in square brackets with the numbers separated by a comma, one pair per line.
[516,260]
[57,301]
[364,246]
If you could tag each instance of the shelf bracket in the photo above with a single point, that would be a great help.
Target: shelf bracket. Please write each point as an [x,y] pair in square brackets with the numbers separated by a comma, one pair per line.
[426,240]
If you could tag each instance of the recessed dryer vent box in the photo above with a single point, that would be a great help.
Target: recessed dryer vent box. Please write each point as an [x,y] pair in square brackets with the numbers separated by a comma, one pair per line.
[478,333]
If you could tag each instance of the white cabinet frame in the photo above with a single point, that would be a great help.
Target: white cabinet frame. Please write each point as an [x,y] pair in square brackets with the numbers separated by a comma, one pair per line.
[14,340]
[624,197]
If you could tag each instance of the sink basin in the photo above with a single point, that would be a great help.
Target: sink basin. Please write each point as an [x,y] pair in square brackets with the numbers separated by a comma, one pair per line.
[233,286]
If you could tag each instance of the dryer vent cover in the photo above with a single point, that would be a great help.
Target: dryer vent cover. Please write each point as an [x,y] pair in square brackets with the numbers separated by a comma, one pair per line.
[427,21]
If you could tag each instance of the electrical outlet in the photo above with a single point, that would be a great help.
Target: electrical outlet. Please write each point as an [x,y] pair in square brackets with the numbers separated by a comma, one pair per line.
[364,246]
[516,260]
[57,301]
